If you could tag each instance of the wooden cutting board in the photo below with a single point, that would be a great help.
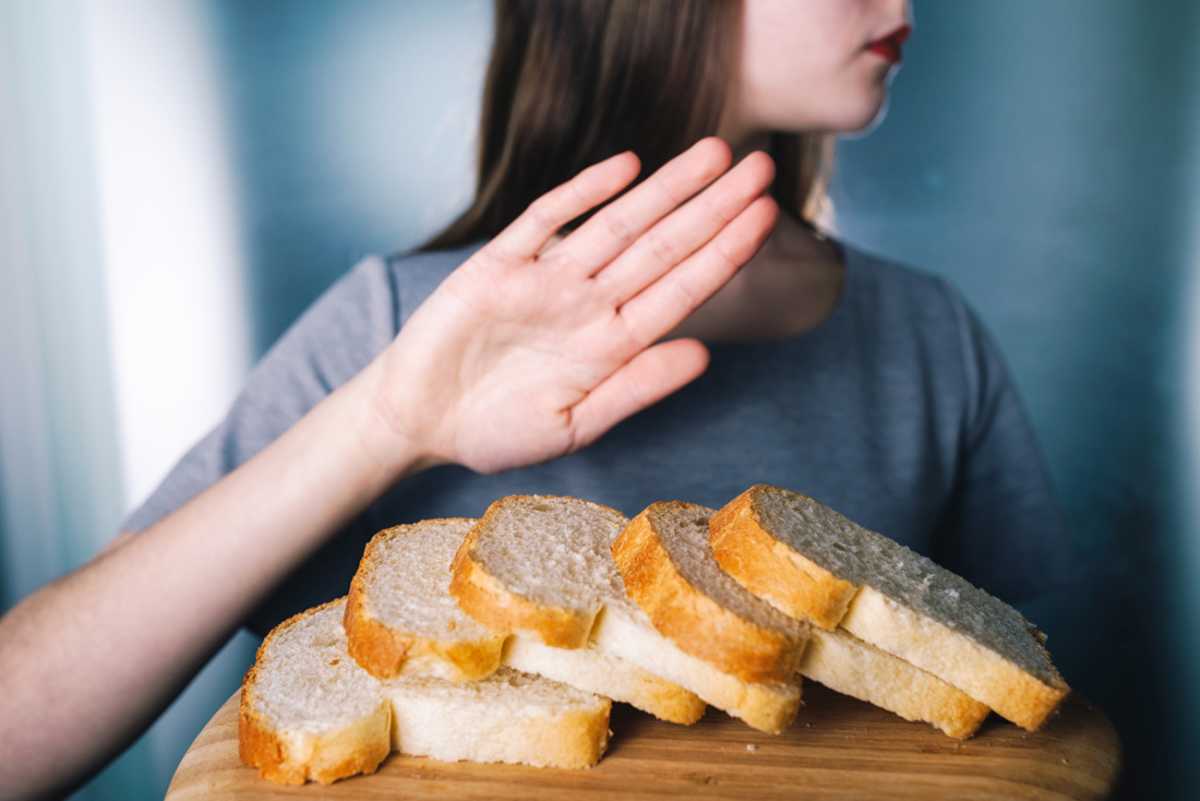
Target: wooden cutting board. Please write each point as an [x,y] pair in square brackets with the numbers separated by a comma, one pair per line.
[837,748]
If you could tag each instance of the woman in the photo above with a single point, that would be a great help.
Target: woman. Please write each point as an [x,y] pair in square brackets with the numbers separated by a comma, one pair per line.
[571,332]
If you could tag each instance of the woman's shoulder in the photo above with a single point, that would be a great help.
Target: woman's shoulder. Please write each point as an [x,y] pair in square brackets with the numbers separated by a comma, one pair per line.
[889,276]
[894,292]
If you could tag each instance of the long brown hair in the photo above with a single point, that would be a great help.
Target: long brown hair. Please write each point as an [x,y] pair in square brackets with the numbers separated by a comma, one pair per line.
[572,83]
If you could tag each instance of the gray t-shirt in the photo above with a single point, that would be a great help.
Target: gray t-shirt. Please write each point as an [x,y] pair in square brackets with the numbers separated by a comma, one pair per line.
[897,411]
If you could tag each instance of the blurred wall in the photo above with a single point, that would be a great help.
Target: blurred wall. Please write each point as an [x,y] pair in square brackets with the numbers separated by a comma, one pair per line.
[352,131]
[1041,155]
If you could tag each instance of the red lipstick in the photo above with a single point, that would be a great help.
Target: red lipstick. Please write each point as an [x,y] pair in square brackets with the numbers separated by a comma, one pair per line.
[889,46]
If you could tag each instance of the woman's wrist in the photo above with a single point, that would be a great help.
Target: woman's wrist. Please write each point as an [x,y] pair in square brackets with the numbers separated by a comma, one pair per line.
[390,442]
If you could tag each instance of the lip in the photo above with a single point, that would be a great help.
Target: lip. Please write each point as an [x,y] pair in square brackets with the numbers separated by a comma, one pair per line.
[889,46]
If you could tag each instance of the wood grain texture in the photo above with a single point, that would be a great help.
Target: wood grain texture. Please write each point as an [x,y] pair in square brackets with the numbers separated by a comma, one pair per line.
[838,748]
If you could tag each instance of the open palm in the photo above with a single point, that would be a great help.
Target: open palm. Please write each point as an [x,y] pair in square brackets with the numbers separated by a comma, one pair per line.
[527,352]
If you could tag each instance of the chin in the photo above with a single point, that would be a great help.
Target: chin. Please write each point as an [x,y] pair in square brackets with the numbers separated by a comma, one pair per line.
[851,115]
[860,116]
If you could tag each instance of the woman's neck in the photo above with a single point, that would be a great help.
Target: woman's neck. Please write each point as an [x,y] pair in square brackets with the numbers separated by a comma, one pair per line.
[789,286]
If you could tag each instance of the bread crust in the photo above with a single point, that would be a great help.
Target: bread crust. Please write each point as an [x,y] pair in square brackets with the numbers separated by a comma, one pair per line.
[485,598]
[687,616]
[773,571]
[356,748]
[258,746]
[767,707]
[383,651]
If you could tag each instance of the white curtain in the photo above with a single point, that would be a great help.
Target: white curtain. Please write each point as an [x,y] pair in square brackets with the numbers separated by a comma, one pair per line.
[122,310]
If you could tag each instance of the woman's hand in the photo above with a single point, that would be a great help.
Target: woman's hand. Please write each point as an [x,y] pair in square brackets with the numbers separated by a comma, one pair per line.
[528,352]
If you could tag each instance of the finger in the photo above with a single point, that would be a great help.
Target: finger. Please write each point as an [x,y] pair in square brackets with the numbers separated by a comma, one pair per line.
[665,303]
[682,233]
[526,235]
[647,378]
[615,227]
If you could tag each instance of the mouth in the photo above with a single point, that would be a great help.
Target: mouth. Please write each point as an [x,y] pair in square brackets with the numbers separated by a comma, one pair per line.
[888,48]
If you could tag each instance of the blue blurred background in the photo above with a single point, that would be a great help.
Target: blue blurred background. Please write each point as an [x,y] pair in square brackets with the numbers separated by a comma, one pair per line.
[179,179]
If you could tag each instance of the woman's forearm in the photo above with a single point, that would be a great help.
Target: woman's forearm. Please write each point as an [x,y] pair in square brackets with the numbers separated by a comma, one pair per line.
[90,660]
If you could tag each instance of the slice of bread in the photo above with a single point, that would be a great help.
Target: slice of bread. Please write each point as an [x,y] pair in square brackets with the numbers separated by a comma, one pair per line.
[846,664]
[402,621]
[308,711]
[664,557]
[400,616]
[813,563]
[509,716]
[540,564]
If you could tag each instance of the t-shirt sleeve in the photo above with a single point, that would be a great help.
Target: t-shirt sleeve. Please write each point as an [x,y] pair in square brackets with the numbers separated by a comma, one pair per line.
[1003,528]
[339,335]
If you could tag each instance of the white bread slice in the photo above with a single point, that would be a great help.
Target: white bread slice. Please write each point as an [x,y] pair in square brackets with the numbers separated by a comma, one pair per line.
[509,716]
[400,617]
[540,564]
[664,557]
[846,664]
[696,626]
[402,621]
[307,710]
[811,562]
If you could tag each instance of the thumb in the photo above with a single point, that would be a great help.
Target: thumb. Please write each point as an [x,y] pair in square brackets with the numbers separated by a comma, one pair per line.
[644,380]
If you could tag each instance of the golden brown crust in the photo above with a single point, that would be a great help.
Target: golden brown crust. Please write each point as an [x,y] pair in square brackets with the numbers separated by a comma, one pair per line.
[383,651]
[485,598]
[359,748]
[670,702]
[693,621]
[772,570]
[960,716]
[575,740]
[258,747]
[1029,703]
[762,707]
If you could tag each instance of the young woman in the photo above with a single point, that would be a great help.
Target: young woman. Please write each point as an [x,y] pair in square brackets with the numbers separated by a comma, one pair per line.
[638,305]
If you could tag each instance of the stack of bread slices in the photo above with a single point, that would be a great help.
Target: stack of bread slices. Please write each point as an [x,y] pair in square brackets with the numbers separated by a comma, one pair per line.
[506,639]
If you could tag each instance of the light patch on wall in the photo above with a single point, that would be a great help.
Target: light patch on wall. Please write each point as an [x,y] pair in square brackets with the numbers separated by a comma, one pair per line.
[1185,595]
[172,255]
